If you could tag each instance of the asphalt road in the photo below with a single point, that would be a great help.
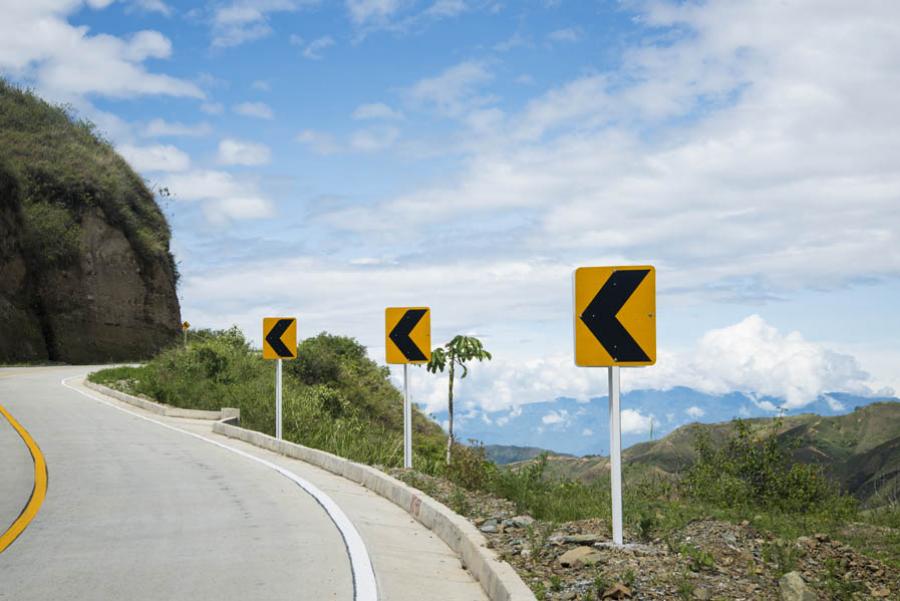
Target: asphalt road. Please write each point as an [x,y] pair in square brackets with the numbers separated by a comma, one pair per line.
[140,511]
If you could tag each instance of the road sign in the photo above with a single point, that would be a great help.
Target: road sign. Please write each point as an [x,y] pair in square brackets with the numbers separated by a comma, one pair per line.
[279,338]
[615,316]
[408,334]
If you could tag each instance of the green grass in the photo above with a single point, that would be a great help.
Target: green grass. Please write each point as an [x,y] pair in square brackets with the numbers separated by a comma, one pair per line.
[338,400]
[334,399]
[55,167]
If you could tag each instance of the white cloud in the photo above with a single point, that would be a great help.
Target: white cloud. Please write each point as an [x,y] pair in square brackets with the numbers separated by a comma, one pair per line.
[567,35]
[319,142]
[160,128]
[261,85]
[453,91]
[155,158]
[366,11]
[258,110]
[377,110]
[38,43]
[695,412]
[587,432]
[716,150]
[374,138]
[239,152]
[152,6]
[555,417]
[635,422]
[313,50]
[224,198]
[242,21]
[750,357]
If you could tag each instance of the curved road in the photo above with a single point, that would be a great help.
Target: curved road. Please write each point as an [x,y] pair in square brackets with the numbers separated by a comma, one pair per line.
[138,511]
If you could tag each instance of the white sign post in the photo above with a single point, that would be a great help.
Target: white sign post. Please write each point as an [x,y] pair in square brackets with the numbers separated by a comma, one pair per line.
[278,419]
[615,327]
[407,420]
[615,453]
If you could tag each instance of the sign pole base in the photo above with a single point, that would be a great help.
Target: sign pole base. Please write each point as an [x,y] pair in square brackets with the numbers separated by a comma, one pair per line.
[407,420]
[615,454]
[278,418]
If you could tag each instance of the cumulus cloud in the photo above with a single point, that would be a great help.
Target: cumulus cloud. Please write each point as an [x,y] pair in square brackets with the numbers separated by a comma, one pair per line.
[239,152]
[160,128]
[155,158]
[635,422]
[695,412]
[224,198]
[716,150]
[749,356]
[258,110]
[555,417]
[38,43]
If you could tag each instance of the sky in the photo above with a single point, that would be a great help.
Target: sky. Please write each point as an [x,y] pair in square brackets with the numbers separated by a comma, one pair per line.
[327,159]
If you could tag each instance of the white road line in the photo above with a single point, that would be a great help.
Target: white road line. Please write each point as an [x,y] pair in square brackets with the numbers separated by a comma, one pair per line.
[364,585]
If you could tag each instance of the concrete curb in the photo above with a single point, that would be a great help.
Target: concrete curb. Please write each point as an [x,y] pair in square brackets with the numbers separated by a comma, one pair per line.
[227,414]
[498,579]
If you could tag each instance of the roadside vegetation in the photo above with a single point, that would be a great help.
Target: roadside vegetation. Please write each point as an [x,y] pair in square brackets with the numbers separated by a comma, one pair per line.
[339,400]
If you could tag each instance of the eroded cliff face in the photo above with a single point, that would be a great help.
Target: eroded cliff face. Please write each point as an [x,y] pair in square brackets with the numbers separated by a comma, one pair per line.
[86,274]
[106,306]
[21,338]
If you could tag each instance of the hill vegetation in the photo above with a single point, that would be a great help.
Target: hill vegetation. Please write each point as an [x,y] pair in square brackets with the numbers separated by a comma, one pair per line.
[85,268]
[335,398]
[744,481]
[858,451]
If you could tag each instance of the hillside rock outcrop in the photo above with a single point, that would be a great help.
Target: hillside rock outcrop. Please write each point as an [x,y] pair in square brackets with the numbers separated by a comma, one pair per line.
[86,274]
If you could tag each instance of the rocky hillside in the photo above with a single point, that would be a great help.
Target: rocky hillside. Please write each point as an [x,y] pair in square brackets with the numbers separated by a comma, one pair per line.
[86,274]
[860,450]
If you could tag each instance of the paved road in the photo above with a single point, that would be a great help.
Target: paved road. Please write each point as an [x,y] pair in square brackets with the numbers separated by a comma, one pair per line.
[138,511]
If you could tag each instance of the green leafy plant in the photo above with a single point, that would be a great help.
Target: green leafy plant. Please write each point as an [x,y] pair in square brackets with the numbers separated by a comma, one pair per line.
[456,353]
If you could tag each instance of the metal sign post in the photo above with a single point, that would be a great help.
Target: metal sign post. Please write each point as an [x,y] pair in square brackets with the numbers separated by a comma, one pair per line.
[279,342]
[615,325]
[278,419]
[615,453]
[407,420]
[407,339]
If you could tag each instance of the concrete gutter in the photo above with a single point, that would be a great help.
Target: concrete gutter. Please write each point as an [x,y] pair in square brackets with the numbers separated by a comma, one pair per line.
[498,579]
[228,414]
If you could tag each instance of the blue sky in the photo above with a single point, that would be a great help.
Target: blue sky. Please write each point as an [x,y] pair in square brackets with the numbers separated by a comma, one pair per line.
[329,158]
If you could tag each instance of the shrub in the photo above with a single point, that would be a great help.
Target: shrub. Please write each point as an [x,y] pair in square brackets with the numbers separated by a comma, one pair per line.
[749,471]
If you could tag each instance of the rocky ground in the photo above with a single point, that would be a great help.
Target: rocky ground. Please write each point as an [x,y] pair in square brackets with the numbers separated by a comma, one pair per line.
[706,559]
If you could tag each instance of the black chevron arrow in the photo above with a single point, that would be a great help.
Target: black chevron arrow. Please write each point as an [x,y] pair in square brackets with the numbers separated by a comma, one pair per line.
[274,337]
[400,335]
[600,316]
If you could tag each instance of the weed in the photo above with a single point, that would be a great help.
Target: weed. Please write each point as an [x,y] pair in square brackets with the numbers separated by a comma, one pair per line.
[699,559]
[555,583]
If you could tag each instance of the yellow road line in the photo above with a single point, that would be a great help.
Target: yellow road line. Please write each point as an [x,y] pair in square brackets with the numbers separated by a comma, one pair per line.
[38,493]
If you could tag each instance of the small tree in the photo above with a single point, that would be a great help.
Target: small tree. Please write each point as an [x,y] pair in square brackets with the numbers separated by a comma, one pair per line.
[458,351]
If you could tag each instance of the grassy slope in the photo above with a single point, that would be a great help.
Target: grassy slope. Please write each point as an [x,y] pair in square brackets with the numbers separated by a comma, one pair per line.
[63,167]
[861,450]
[335,398]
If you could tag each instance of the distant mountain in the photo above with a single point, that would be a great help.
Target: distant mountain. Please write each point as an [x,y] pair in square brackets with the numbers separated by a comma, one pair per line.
[860,450]
[504,454]
[582,428]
